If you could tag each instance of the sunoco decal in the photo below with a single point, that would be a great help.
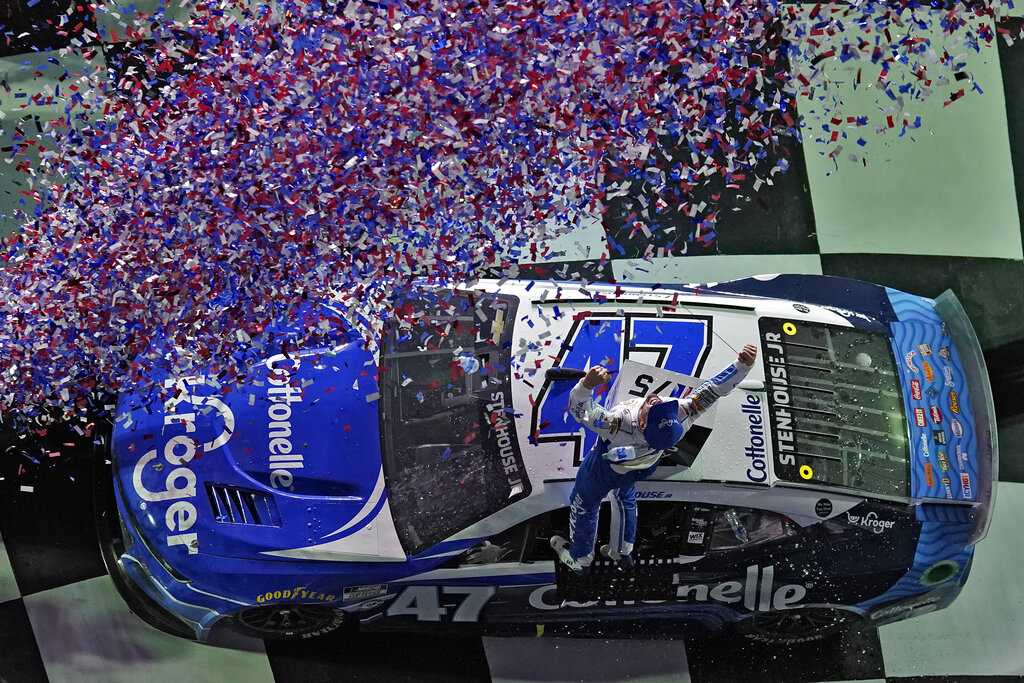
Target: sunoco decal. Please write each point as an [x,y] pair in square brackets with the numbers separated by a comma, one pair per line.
[357,593]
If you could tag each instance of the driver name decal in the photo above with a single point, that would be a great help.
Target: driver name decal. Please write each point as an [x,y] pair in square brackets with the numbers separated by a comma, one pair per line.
[499,422]
[778,377]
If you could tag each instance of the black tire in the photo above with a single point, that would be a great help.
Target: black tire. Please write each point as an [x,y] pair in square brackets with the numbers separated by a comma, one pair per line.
[287,622]
[793,626]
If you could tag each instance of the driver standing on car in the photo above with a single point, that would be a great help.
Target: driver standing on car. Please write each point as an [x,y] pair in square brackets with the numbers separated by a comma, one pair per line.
[632,436]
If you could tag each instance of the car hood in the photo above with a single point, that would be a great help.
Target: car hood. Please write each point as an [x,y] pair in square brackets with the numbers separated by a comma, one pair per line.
[287,460]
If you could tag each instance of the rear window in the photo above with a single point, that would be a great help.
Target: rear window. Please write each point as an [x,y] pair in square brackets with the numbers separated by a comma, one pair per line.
[837,415]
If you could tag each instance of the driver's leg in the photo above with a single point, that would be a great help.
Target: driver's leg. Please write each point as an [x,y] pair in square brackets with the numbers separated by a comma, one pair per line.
[591,486]
[623,526]
[585,500]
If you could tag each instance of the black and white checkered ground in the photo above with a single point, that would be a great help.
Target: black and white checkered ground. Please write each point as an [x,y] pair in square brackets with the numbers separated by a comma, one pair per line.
[940,212]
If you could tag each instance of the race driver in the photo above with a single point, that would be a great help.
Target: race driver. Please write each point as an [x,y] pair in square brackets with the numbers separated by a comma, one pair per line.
[632,436]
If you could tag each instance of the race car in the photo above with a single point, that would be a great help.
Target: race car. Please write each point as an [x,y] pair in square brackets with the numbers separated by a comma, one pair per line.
[844,483]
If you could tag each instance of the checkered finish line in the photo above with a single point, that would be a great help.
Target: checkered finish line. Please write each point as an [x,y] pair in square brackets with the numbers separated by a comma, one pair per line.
[922,216]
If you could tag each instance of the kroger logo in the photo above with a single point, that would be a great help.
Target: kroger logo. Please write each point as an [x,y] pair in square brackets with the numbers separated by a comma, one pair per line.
[870,521]
[179,485]
[667,422]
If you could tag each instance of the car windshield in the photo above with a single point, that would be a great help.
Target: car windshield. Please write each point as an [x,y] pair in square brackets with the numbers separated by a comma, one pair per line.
[836,407]
[451,456]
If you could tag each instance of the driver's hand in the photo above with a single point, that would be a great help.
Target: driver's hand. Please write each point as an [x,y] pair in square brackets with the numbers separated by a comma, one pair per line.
[596,376]
[748,354]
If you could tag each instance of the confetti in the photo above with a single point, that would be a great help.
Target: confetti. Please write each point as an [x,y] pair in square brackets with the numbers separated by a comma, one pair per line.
[269,177]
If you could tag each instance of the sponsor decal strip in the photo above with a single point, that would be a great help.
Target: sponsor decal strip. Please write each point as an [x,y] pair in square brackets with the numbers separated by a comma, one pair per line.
[756,592]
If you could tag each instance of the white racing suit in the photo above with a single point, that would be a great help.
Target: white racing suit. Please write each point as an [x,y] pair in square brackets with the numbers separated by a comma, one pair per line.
[621,457]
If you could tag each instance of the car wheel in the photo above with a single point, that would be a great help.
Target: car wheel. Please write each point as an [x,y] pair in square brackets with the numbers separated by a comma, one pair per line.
[283,622]
[797,625]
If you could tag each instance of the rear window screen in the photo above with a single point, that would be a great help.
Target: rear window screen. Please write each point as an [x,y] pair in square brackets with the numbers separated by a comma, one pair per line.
[837,413]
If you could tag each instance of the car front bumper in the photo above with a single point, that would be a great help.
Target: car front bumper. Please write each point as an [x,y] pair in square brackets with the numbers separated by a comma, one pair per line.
[132,565]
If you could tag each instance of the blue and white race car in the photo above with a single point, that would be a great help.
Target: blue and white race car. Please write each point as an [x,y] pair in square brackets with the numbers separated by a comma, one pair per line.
[847,480]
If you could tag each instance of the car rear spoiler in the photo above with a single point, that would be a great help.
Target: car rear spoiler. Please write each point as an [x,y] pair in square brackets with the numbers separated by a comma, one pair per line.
[960,330]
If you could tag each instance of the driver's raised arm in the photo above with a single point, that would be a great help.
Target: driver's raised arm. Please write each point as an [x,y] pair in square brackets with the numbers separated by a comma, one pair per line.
[585,409]
[704,396]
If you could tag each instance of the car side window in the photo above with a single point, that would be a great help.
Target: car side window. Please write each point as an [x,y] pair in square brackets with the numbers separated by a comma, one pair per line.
[743,527]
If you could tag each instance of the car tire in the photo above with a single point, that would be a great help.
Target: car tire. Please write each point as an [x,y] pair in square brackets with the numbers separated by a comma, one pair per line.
[289,621]
[794,626]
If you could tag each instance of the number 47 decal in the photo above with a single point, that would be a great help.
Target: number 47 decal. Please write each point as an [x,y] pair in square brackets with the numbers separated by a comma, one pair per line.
[424,602]
[679,343]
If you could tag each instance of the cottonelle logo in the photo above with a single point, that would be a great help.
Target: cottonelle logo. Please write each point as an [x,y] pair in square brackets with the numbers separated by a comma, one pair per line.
[179,486]
[757,593]
[757,472]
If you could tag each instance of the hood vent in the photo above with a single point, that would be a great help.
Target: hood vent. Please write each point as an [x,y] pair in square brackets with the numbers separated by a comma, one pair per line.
[234,505]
